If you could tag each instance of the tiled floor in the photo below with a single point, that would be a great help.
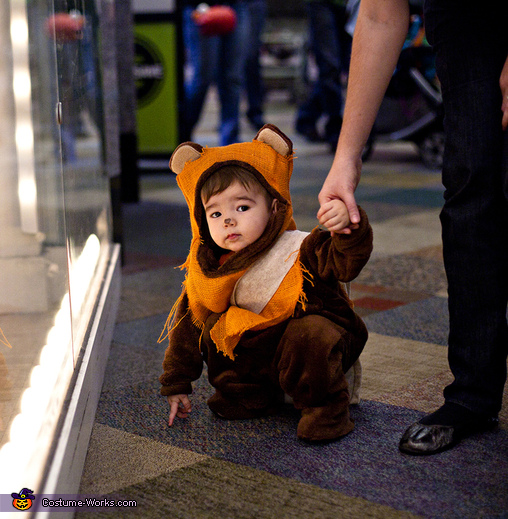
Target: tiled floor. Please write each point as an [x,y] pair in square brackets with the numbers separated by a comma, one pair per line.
[401,294]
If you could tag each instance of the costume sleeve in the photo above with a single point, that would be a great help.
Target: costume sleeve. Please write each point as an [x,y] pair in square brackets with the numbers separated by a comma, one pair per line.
[182,361]
[341,256]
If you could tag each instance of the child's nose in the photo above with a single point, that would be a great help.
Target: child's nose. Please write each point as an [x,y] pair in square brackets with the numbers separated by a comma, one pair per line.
[228,221]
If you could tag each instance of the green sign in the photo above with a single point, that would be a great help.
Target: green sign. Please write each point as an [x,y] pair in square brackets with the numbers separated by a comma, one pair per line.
[156,75]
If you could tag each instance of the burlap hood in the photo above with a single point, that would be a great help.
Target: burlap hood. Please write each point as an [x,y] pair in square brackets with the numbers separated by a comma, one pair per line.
[269,157]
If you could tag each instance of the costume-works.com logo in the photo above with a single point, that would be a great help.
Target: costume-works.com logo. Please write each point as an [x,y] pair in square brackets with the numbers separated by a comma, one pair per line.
[23,500]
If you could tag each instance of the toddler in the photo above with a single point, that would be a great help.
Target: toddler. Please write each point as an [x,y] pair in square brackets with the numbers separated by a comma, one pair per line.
[262,303]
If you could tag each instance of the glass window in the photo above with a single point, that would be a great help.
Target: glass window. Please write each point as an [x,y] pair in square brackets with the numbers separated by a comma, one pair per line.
[54,217]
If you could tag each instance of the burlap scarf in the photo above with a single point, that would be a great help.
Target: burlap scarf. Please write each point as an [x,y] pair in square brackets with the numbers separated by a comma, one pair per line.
[282,287]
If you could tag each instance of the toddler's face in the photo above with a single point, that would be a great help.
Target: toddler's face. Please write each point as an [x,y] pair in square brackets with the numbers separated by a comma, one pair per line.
[238,216]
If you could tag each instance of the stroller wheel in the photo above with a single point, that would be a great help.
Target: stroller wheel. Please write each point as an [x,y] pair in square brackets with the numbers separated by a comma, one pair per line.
[431,149]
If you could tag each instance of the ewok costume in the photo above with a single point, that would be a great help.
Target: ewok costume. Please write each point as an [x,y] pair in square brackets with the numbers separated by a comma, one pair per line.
[274,317]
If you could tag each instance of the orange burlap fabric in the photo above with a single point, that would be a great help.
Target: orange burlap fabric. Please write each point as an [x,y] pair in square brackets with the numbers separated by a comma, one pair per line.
[208,295]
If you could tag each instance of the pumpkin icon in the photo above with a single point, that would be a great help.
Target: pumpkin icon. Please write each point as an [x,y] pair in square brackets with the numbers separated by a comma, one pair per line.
[23,500]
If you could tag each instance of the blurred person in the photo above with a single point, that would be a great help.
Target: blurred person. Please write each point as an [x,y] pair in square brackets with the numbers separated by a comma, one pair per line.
[330,44]
[471,45]
[253,78]
[218,59]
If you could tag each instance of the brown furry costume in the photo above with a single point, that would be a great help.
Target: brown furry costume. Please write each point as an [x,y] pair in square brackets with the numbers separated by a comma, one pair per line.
[307,335]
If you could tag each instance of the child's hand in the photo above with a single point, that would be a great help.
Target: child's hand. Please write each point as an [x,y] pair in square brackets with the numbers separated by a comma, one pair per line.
[180,406]
[335,217]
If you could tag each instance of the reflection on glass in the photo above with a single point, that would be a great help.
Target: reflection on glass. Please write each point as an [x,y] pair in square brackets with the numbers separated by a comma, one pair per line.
[54,216]
[84,181]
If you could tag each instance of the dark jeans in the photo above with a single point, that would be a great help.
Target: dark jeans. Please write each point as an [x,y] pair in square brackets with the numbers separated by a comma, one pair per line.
[470,39]
[253,78]
[214,59]
[331,46]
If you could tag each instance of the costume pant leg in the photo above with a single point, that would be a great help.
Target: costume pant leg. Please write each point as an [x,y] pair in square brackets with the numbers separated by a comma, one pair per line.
[312,358]
[471,44]
[245,387]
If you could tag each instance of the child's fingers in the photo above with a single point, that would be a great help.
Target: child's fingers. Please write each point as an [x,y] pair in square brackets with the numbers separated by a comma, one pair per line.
[173,412]
[184,409]
[328,218]
[325,208]
[334,222]
[180,407]
[340,226]
[186,404]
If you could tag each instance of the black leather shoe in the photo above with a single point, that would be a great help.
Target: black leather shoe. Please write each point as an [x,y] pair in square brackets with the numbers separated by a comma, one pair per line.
[420,439]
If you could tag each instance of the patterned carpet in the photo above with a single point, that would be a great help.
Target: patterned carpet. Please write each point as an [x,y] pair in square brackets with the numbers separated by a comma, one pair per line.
[205,467]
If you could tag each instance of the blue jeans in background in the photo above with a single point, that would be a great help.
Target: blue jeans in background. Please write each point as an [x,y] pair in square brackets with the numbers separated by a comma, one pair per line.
[219,60]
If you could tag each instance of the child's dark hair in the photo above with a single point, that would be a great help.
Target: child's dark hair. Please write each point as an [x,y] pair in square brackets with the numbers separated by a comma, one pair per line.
[227,175]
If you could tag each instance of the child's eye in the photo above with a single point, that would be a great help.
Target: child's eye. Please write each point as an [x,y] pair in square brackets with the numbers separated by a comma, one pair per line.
[216,214]
[243,208]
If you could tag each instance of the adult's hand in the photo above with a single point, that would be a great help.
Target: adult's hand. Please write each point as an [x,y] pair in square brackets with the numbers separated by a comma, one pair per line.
[341,183]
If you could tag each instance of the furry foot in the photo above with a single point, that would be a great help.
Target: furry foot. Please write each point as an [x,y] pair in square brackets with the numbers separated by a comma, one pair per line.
[324,424]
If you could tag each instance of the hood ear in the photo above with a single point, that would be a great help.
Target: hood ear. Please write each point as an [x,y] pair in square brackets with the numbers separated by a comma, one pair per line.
[186,152]
[271,135]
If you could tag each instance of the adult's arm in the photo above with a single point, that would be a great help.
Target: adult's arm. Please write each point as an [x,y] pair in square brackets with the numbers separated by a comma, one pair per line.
[503,83]
[378,38]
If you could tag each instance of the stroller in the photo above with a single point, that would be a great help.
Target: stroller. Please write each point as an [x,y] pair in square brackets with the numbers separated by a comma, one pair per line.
[412,109]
